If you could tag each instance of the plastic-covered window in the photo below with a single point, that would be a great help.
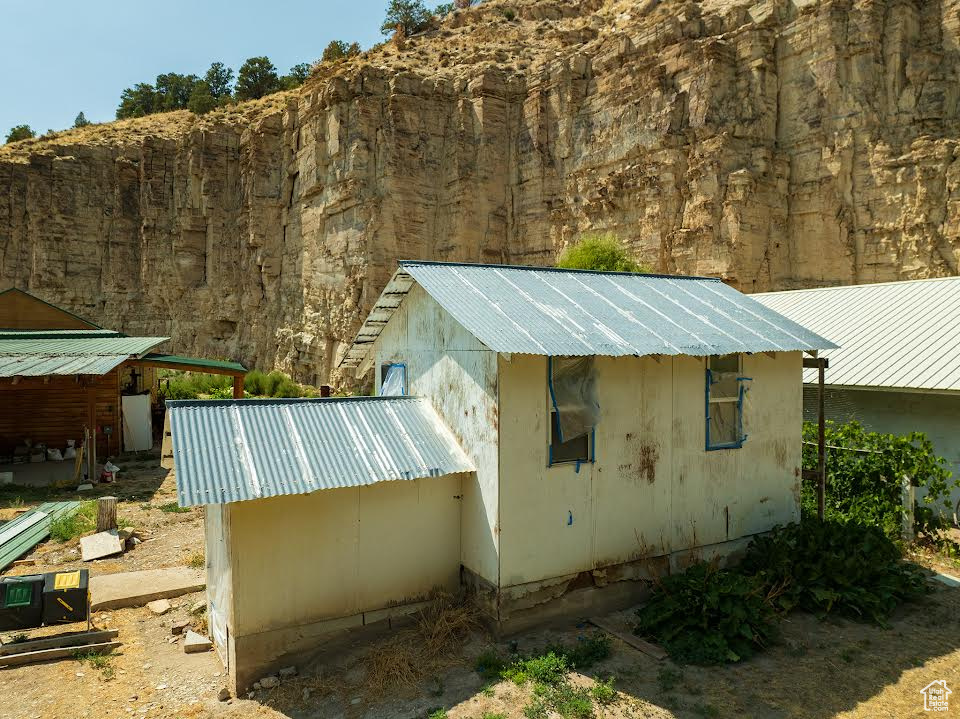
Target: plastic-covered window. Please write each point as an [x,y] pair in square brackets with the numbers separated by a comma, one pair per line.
[573,409]
[724,402]
[394,382]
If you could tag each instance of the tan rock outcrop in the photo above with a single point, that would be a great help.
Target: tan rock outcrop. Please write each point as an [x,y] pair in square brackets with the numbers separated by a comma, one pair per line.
[776,144]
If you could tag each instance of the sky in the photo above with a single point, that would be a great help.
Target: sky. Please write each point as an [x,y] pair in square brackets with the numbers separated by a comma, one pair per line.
[60,57]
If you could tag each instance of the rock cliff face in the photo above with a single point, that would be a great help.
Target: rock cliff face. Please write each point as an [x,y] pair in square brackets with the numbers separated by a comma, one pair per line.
[776,144]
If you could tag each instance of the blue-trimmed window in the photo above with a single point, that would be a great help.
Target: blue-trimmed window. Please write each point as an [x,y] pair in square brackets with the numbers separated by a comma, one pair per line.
[725,389]
[566,450]
[393,382]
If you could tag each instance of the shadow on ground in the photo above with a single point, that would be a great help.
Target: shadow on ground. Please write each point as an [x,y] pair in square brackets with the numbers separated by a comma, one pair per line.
[816,669]
[139,478]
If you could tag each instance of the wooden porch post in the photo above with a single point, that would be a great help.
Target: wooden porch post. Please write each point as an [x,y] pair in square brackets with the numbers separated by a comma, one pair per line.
[238,386]
[821,441]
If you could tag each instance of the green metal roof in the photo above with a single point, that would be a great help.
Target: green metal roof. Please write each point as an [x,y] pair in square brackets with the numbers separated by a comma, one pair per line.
[56,334]
[19,536]
[33,356]
[195,362]
[80,346]
[41,366]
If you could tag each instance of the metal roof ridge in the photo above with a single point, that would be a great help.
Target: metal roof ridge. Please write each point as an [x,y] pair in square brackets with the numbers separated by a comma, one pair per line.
[655,275]
[260,401]
[863,285]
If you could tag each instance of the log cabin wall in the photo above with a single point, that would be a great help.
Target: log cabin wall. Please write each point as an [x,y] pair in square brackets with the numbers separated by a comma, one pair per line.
[55,409]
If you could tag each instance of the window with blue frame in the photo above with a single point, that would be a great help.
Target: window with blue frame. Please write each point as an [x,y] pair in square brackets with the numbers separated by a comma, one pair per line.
[573,410]
[726,387]
[393,382]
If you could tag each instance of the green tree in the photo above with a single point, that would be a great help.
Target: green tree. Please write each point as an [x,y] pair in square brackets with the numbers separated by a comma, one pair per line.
[599,252]
[443,9]
[81,120]
[20,132]
[338,49]
[202,100]
[296,77]
[411,15]
[173,91]
[257,77]
[137,101]
[219,79]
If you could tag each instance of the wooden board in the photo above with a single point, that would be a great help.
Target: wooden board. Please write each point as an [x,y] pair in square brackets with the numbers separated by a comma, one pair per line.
[58,642]
[44,655]
[634,641]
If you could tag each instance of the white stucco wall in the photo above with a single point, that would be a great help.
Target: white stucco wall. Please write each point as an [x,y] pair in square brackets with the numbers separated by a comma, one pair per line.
[303,559]
[458,374]
[653,489]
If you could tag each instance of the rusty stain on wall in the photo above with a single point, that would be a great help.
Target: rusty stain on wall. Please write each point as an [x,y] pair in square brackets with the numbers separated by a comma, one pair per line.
[647,457]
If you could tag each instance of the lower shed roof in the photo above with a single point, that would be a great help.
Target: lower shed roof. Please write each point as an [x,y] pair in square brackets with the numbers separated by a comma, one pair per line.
[234,450]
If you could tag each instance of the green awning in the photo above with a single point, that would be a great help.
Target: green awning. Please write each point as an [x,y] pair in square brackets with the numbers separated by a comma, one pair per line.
[200,364]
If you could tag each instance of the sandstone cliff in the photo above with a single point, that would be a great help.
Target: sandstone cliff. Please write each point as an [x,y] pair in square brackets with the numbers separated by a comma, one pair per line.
[777,144]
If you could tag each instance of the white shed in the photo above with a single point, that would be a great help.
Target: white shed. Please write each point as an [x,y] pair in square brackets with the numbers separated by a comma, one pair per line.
[321,515]
[620,424]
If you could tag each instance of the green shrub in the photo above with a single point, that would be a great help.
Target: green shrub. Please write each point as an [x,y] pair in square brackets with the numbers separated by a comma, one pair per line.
[602,253]
[553,694]
[833,567]
[199,385]
[490,665]
[193,385]
[546,669]
[173,508]
[866,486]
[603,691]
[68,526]
[707,615]
[561,699]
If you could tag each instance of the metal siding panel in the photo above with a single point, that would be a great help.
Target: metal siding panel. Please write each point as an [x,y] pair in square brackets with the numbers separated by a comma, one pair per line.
[545,311]
[246,449]
[896,334]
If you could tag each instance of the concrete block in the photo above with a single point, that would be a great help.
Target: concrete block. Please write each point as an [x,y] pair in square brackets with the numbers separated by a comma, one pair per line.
[135,589]
[102,544]
[194,643]
[159,606]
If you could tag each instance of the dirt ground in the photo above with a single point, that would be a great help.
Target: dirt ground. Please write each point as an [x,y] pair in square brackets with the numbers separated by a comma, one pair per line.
[832,668]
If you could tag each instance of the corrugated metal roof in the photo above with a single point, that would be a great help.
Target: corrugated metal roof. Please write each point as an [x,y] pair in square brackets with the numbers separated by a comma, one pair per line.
[80,346]
[894,334]
[40,366]
[547,311]
[56,334]
[22,534]
[234,450]
[31,356]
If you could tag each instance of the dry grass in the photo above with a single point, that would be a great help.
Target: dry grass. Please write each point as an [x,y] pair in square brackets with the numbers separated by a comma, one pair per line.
[408,657]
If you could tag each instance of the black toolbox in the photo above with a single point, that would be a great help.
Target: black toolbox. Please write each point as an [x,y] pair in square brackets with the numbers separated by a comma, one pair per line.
[66,597]
[21,602]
